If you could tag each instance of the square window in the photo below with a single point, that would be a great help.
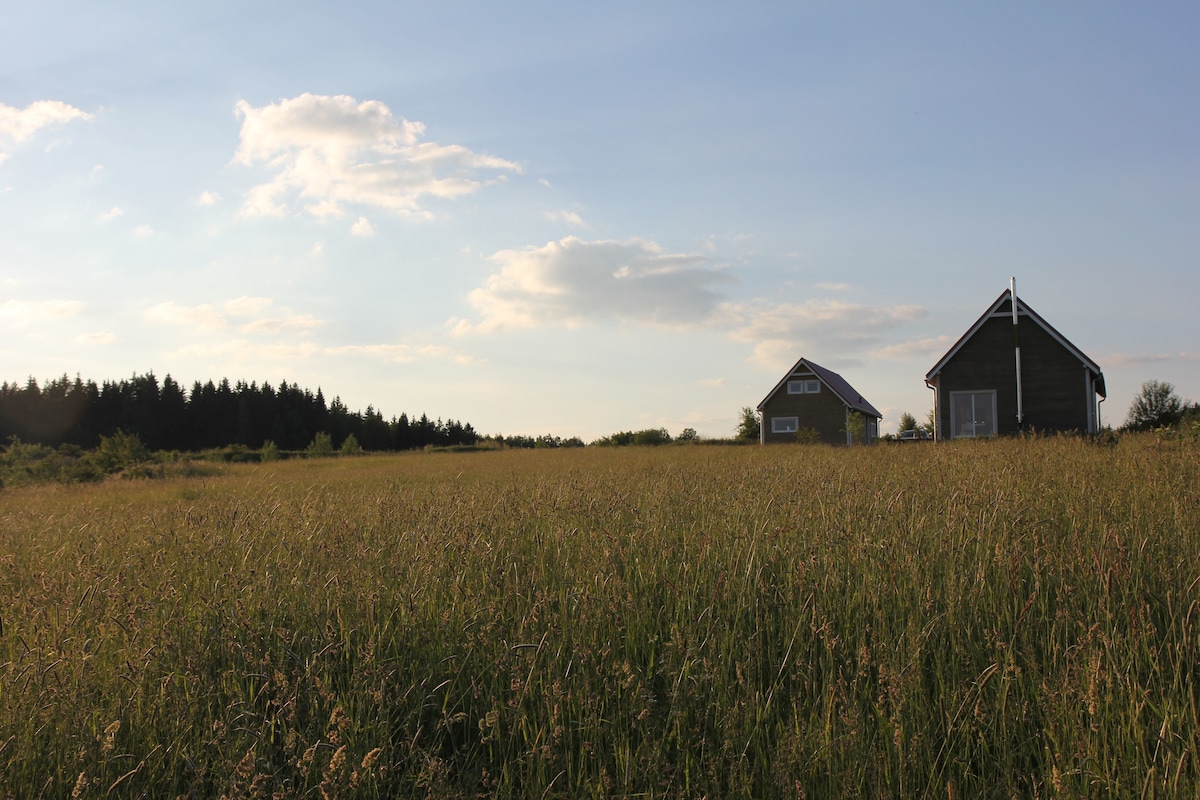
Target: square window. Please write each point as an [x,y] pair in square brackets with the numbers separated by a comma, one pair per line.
[812,387]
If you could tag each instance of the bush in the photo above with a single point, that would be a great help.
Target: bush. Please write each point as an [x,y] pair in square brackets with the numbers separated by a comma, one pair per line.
[117,452]
[350,446]
[320,447]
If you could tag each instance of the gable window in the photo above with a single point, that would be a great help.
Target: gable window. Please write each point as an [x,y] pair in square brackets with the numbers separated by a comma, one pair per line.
[785,424]
[972,414]
[804,386]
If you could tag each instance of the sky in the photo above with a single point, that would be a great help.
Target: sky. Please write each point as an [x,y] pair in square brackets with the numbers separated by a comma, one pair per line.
[574,219]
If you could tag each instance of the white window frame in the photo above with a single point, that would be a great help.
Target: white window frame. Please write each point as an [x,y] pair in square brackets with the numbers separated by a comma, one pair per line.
[804,386]
[785,424]
[975,432]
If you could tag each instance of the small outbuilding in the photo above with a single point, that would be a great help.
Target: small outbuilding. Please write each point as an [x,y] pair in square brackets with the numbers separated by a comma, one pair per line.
[1011,372]
[812,403]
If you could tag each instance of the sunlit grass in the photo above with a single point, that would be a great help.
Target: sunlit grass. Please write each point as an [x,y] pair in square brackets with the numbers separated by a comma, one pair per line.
[1008,618]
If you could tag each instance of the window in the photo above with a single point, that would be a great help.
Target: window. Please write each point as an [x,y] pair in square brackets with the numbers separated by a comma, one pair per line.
[804,386]
[785,424]
[972,414]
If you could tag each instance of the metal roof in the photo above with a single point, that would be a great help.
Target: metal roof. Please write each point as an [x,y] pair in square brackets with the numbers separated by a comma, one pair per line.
[836,383]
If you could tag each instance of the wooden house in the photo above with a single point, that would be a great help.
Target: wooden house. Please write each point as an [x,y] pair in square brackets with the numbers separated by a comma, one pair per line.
[1011,373]
[812,403]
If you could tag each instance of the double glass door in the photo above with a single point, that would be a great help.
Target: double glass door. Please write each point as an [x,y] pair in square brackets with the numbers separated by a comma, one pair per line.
[972,414]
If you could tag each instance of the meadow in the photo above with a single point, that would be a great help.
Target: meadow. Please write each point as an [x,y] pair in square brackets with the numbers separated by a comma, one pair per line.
[1010,618]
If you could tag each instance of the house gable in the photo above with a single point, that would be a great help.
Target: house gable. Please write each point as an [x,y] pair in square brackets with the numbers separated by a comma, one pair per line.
[812,398]
[976,381]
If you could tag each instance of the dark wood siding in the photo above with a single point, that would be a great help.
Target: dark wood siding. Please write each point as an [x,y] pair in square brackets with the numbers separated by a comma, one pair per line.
[823,412]
[1055,395]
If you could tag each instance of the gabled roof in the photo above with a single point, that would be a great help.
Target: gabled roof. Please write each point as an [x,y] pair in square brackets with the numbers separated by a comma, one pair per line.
[836,383]
[1003,308]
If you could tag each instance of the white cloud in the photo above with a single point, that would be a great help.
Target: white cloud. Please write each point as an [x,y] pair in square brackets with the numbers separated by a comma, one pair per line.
[292,351]
[207,199]
[932,348]
[112,213]
[247,306]
[249,314]
[362,228]
[711,383]
[783,332]
[570,282]
[95,338]
[403,353]
[18,125]
[294,322]
[1140,359]
[835,287]
[565,217]
[143,232]
[20,313]
[202,317]
[328,152]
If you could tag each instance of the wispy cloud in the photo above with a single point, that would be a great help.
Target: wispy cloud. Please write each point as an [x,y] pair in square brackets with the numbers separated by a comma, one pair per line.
[99,338]
[112,213]
[571,281]
[18,125]
[246,314]
[330,152]
[781,332]
[1139,359]
[21,313]
[569,218]
[931,348]
[245,349]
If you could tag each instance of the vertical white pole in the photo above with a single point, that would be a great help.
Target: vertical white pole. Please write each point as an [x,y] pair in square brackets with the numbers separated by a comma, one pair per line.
[1012,293]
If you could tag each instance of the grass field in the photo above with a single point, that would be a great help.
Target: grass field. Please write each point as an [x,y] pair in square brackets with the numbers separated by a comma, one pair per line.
[993,619]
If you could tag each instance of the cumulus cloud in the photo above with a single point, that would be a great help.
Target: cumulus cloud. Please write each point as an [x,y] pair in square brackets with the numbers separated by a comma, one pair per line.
[20,313]
[571,281]
[207,199]
[362,228]
[780,332]
[329,152]
[112,213]
[18,125]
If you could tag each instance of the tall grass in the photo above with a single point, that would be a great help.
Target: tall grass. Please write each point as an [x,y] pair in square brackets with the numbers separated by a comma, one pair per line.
[997,619]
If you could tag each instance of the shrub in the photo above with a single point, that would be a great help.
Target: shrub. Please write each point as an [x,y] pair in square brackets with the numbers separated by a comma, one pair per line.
[320,447]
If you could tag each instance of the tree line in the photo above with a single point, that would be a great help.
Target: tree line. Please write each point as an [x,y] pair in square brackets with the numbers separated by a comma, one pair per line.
[165,416]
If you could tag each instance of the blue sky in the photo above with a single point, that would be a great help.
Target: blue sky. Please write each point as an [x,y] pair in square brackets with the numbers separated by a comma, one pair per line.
[568,219]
